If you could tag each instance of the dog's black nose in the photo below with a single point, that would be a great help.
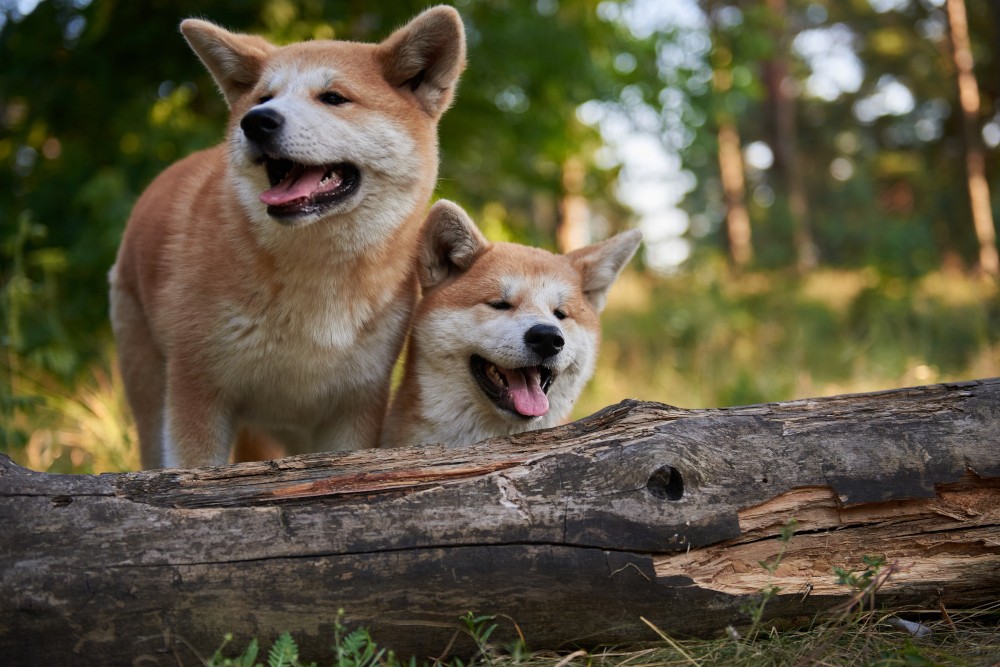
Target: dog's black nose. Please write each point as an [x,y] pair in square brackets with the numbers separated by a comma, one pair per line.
[544,339]
[261,125]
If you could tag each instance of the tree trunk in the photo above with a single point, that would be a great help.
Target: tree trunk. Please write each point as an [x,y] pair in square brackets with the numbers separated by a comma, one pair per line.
[739,236]
[574,533]
[975,161]
[785,139]
[572,231]
[737,217]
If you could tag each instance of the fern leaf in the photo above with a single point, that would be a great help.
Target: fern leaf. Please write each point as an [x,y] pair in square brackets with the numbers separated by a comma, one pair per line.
[249,657]
[284,652]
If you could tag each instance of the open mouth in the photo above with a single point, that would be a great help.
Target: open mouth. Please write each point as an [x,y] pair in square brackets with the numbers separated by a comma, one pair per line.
[300,189]
[521,391]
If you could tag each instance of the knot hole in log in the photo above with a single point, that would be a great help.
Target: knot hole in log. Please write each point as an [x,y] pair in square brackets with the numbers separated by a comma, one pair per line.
[666,483]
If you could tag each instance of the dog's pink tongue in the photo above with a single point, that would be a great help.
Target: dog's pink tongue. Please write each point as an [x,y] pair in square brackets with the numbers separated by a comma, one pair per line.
[525,388]
[301,183]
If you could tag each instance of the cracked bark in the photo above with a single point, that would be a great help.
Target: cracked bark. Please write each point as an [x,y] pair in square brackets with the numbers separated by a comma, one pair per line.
[574,533]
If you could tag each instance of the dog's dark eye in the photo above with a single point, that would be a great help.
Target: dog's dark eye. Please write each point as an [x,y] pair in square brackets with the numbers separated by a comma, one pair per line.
[500,305]
[265,99]
[332,98]
[559,313]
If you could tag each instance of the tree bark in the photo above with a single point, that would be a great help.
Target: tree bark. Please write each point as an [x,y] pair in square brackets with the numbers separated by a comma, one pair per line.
[975,161]
[574,533]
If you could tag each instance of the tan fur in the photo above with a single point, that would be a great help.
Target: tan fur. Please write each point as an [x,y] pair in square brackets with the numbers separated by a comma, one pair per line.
[462,274]
[230,322]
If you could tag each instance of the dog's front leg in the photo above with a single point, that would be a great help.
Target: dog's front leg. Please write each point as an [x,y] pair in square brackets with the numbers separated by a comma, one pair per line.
[198,428]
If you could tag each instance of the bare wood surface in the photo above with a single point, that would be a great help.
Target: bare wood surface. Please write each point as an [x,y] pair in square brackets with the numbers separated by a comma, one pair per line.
[573,533]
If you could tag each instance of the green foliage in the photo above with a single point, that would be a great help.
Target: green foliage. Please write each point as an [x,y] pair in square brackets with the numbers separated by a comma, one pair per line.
[860,580]
[21,293]
[901,206]
[864,583]
[479,628]
[968,637]
[704,338]
[907,655]
[355,648]
[246,659]
[81,428]
[284,652]
[847,634]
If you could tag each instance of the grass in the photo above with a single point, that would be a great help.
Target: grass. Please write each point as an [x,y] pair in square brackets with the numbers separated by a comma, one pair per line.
[871,638]
[81,428]
[706,340]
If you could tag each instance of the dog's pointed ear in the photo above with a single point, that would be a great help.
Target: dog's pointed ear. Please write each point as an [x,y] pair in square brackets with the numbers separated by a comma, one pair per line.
[235,61]
[600,264]
[425,57]
[450,244]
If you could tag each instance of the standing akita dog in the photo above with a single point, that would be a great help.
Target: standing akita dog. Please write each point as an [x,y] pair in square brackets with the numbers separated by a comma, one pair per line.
[505,337]
[263,287]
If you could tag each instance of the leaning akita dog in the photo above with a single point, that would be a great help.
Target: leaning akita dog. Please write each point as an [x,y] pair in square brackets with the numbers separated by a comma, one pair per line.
[263,287]
[505,337]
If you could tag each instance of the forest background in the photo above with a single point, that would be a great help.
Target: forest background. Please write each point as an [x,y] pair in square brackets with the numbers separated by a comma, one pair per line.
[816,183]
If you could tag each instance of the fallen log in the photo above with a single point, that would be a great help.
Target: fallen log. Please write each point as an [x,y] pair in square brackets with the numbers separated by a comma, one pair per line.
[642,510]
